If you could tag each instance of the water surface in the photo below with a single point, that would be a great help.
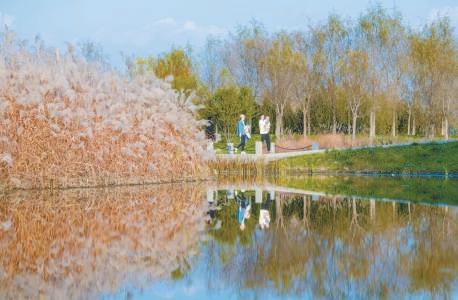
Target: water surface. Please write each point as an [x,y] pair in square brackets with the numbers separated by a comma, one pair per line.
[293,238]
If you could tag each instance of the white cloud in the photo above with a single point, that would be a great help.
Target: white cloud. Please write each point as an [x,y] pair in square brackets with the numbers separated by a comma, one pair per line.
[161,33]
[6,20]
[448,11]
[166,21]
[189,25]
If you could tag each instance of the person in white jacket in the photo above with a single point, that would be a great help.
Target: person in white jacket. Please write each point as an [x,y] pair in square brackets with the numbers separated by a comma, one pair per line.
[264,129]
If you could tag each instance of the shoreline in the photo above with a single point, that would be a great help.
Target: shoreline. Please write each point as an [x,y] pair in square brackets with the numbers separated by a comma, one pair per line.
[100,186]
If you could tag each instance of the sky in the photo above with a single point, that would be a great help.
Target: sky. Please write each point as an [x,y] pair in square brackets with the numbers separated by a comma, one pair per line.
[148,27]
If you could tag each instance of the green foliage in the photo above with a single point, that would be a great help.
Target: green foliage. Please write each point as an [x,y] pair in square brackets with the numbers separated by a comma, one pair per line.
[176,63]
[226,105]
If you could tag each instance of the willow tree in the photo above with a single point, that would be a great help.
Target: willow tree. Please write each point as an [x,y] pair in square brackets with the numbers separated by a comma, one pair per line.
[280,67]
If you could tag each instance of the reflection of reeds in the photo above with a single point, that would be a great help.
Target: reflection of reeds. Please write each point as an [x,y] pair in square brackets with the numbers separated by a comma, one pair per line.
[78,243]
[240,168]
[64,122]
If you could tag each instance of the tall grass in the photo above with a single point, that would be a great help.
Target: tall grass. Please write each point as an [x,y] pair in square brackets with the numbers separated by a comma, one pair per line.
[65,122]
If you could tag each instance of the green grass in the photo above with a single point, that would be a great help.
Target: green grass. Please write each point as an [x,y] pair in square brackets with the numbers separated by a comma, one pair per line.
[417,158]
[220,146]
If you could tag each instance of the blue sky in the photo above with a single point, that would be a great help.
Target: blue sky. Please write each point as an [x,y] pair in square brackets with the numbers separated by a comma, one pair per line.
[144,27]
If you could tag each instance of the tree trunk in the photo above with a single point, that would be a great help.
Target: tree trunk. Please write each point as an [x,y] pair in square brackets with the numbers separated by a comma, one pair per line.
[353,134]
[446,127]
[414,131]
[308,121]
[432,131]
[278,121]
[409,120]
[393,126]
[372,209]
[334,120]
[372,124]
[304,115]
[443,127]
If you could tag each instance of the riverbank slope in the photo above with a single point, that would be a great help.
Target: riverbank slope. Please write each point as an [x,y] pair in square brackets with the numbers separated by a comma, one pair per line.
[432,158]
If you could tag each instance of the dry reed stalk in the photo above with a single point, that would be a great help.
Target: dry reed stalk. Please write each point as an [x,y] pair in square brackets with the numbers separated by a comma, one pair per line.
[65,122]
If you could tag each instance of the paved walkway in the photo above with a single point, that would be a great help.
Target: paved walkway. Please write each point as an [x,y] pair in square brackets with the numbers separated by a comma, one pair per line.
[276,156]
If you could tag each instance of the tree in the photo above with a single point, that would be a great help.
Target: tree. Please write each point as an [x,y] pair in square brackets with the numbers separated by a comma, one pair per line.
[304,78]
[434,53]
[353,70]
[175,65]
[211,64]
[226,105]
[280,64]
[335,44]
[242,56]
[385,39]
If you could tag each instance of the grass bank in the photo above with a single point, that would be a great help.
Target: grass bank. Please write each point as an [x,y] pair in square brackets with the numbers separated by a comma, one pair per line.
[417,189]
[434,158]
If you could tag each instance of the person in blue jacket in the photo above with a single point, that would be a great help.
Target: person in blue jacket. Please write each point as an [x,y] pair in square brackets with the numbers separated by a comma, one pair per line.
[241,132]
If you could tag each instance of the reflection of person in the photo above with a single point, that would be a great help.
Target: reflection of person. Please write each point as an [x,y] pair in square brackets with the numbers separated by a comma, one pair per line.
[244,209]
[211,213]
[264,214]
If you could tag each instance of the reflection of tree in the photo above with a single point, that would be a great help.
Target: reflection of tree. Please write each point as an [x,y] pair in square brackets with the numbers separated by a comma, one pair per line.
[79,243]
[341,250]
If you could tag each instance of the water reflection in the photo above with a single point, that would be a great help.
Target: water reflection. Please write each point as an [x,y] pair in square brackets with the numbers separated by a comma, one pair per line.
[228,241]
[333,246]
[78,244]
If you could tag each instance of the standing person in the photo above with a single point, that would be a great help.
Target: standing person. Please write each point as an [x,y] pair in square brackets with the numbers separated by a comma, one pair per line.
[241,132]
[261,126]
[266,132]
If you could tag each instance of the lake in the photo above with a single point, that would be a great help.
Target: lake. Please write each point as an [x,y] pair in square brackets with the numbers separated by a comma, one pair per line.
[278,238]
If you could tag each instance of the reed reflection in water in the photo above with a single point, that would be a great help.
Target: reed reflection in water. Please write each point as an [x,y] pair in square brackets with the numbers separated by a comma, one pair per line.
[79,244]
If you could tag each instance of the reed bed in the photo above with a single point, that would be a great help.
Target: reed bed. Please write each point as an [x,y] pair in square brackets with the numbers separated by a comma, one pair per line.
[80,243]
[65,123]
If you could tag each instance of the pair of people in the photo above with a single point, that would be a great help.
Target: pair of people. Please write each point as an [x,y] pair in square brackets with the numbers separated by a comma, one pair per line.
[264,130]
[243,131]
[244,211]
